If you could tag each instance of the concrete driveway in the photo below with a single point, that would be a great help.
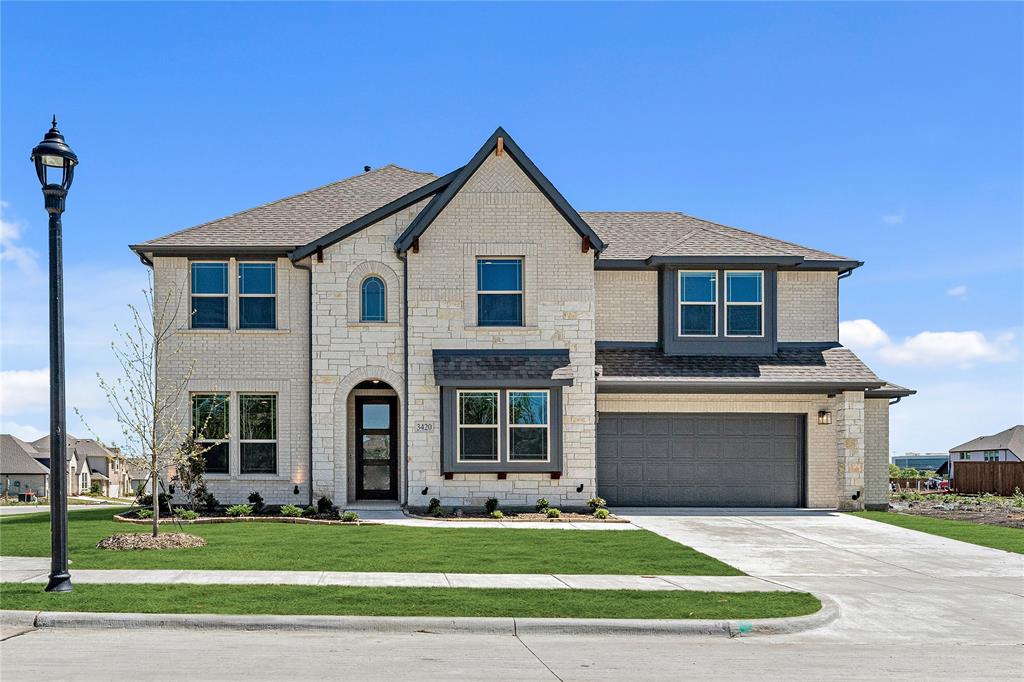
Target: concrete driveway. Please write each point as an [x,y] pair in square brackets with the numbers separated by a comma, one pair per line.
[892,584]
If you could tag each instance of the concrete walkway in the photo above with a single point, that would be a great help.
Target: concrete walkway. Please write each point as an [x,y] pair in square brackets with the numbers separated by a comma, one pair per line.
[18,509]
[35,570]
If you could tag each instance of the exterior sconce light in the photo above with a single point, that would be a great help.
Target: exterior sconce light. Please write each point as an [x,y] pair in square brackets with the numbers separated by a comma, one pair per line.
[824,417]
[295,490]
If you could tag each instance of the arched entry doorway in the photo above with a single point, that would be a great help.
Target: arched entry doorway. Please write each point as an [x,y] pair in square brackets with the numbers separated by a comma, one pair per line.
[373,442]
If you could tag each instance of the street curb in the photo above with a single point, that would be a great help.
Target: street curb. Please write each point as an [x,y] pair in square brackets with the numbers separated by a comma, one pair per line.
[400,624]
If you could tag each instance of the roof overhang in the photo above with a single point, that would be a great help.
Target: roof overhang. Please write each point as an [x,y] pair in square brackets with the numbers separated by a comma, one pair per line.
[514,368]
[781,262]
[655,385]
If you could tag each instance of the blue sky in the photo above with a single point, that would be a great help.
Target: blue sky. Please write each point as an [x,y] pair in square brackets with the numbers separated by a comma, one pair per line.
[886,132]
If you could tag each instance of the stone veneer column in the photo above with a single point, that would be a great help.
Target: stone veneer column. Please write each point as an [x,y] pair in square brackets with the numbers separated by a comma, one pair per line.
[850,449]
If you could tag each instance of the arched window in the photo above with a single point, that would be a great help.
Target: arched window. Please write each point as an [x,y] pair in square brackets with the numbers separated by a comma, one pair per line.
[372,300]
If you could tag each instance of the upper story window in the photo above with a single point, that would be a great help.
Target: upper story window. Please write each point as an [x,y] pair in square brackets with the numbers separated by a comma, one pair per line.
[698,303]
[210,428]
[257,438]
[499,295]
[477,438]
[744,303]
[372,300]
[257,296]
[991,455]
[209,295]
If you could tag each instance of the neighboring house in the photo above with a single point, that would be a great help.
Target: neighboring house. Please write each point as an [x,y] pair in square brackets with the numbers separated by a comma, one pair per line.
[138,477]
[1005,446]
[88,462]
[19,471]
[928,461]
[402,336]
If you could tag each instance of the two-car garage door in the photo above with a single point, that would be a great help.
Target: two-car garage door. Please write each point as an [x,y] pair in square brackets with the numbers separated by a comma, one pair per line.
[701,460]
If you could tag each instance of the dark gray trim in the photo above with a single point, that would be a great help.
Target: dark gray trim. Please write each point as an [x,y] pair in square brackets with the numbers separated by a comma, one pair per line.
[624,345]
[845,267]
[823,345]
[720,344]
[510,383]
[727,261]
[309,357]
[889,393]
[452,352]
[648,385]
[449,427]
[247,251]
[374,216]
[438,203]
[622,264]
[403,497]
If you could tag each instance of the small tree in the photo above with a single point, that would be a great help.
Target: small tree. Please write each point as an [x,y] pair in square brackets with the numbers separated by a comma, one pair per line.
[894,471]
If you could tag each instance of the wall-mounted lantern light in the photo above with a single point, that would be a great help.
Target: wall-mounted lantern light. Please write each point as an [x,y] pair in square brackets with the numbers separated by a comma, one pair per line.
[824,417]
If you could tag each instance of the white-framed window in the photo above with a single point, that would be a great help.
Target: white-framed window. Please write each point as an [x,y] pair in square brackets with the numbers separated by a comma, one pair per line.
[257,295]
[529,432]
[477,420]
[210,428]
[991,456]
[499,292]
[744,303]
[373,300]
[209,289]
[698,303]
[965,455]
[257,433]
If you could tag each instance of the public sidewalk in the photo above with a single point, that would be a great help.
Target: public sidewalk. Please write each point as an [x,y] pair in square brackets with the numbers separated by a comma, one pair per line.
[35,570]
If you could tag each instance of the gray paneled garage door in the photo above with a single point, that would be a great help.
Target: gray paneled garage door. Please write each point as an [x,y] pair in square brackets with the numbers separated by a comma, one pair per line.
[700,460]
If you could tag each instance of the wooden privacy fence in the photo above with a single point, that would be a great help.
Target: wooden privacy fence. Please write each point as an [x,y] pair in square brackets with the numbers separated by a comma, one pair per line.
[999,478]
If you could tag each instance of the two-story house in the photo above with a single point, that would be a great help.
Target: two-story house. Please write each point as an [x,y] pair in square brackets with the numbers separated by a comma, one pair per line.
[402,336]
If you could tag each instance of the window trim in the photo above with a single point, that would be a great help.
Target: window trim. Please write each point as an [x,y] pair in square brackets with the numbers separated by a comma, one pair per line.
[213,441]
[680,303]
[226,295]
[496,426]
[275,440]
[362,300]
[521,292]
[238,276]
[509,425]
[761,304]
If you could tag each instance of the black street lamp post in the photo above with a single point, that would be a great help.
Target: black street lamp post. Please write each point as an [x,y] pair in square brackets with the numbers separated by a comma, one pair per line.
[55,165]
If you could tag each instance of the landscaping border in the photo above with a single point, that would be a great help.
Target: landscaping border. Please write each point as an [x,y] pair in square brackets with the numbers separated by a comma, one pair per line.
[246,519]
[506,519]
[426,625]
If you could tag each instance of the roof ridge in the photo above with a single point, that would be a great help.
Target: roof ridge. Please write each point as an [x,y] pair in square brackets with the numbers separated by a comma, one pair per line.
[682,239]
[283,199]
[756,234]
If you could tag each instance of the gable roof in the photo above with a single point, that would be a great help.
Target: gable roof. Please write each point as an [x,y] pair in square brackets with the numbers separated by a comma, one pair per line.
[440,200]
[1011,439]
[82,448]
[18,457]
[299,219]
[652,235]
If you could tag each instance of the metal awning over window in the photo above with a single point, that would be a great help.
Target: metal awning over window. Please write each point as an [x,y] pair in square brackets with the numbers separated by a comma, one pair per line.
[505,368]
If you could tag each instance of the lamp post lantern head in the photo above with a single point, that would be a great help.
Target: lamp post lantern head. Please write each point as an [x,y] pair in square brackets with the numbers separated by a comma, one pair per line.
[54,160]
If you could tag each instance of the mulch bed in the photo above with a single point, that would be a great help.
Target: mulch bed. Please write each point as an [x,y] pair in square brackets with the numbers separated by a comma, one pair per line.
[566,517]
[132,541]
[976,510]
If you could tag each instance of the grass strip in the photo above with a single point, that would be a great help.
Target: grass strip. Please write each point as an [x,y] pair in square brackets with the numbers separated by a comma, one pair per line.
[273,546]
[410,601]
[986,535]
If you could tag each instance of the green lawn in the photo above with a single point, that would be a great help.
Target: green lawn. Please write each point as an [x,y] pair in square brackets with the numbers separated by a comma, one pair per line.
[997,537]
[298,547]
[410,601]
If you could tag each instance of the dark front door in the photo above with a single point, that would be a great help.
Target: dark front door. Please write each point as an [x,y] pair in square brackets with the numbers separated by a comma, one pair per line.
[376,448]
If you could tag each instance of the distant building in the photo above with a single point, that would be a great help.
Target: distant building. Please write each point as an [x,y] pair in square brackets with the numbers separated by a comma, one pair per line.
[1005,446]
[922,461]
[20,472]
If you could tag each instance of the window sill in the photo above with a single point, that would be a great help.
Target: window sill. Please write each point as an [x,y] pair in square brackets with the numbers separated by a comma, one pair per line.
[247,477]
[374,325]
[503,468]
[503,329]
[190,330]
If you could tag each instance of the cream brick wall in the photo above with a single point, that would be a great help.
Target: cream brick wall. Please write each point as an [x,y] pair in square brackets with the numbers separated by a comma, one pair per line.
[499,212]
[627,305]
[822,440]
[807,306]
[876,453]
[237,361]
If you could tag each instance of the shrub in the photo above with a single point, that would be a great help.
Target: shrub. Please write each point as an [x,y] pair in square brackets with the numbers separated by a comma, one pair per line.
[894,471]
[349,517]
[188,515]
[309,512]
[145,513]
[434,505]
[439,511]
[542,505]
[256,501]
[325,506]
[95,488]
[601,513]
[239,510]
[497,514]
[165,502]
[1018,498]
[210,502]
[291,510]
[596,503]
[491,505]
[554,513]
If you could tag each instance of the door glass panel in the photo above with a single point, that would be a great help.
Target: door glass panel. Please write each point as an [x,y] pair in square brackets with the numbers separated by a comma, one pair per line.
[376,477]
[376,448]
[376,416]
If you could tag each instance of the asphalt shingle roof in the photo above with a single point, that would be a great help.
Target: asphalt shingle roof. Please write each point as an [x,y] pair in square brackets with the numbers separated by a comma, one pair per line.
[18,457]
[639,235]
[301,218]
[541,365]
[1011,439]
[826,365]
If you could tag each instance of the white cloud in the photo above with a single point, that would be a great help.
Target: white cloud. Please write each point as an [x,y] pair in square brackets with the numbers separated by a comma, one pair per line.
[24,258]
[24,390]
[959,291]
[26,432]
[928,349]
[895,218]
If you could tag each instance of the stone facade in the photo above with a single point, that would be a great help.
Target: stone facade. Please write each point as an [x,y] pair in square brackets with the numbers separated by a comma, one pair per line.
[627,305]
[849,420]
[808,305]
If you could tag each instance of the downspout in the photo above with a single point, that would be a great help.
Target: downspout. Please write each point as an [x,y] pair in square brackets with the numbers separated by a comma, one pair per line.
[309,329]
[895,400]
[404,497]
